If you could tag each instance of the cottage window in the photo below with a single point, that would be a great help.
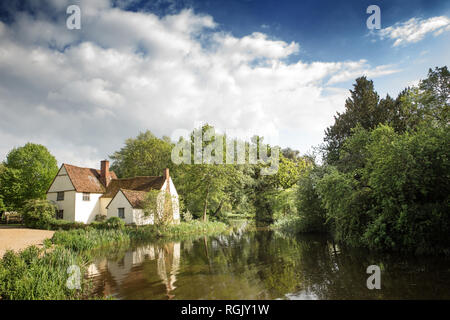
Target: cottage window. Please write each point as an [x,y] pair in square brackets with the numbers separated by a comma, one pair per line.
[60,214]
[121,213]
[60,196]
[86,196]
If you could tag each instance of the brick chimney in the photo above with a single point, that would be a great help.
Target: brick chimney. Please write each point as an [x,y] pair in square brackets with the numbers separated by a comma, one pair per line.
[166,177]
[166,173]
[105,178]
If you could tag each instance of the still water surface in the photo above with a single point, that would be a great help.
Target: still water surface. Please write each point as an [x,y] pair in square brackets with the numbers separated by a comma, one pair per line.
[263,265]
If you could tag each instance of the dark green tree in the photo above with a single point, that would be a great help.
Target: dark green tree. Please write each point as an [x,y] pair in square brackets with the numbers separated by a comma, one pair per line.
[361,107]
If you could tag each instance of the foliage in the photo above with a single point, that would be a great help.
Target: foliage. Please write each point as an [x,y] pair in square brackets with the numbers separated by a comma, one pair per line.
[309,206]
[111,223]
[158,204]
[208,187]
[90,238]
[176,231]
[187,216]
[361,108]
[57,224]
[385,184]
[290,225]
[38,213]
[37,274]
[409,178]
[145,155]
[100,217]
[27,174]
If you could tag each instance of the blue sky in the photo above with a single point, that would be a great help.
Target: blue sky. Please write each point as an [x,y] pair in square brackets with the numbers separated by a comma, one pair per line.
[276,68]
[331,30]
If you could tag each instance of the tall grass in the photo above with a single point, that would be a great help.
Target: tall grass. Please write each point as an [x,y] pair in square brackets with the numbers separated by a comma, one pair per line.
[38,274]
[175,232]
[90,238]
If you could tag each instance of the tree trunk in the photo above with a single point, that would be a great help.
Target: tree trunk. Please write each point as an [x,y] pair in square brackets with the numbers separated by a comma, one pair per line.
[206,204]
[218,208]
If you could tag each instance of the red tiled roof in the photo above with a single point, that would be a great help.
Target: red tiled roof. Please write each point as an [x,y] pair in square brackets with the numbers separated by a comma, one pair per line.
[134,184]
[86,179]
[135,198]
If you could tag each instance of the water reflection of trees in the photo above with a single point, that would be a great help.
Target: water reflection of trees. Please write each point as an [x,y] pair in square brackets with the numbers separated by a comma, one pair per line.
[265,265]
[314,267]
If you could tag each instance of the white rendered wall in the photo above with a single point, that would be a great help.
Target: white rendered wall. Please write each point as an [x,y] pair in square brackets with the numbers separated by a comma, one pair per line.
[85,211]
[119,201]
[68,204]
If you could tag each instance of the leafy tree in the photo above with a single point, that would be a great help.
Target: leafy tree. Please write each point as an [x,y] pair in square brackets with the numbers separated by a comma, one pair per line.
[436,87]
[145,155]
[28,172]
[428,102]
[205,187]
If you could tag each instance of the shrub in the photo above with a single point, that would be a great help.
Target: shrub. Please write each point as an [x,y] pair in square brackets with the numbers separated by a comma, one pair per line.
[38,213]
[100,217]
[187,216]
[408,174]
[112,223]
[66,225]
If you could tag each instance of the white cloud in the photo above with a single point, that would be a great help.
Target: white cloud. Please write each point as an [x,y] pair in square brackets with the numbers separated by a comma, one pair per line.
[415,29]
[82,93]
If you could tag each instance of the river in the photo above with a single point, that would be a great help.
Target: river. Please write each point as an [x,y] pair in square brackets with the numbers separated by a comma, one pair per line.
[263,265]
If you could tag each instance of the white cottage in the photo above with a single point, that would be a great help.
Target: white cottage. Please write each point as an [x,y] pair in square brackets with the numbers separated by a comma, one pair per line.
[81,194]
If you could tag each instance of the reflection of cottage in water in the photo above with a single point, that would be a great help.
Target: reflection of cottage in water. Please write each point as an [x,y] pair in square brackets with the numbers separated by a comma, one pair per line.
[160,264]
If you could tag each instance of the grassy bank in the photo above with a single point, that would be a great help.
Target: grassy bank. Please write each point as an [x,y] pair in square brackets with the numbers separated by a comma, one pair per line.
[93,238]
[36,274]
[42,273]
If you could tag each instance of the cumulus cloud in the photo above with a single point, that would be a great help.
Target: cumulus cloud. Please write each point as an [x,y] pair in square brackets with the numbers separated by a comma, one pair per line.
[415,29]
[83,92]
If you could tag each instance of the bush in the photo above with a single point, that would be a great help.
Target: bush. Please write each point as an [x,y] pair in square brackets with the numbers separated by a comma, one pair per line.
[111,223]
[38,213]
[100,217]
[408,174]
[66,225]
[187,216]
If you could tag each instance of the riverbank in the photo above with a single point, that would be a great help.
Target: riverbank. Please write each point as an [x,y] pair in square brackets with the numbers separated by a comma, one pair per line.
[42,273]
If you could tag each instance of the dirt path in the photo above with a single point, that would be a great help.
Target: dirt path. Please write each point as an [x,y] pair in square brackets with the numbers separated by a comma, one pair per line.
[17,238]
